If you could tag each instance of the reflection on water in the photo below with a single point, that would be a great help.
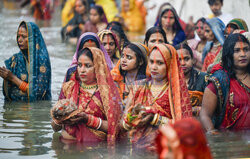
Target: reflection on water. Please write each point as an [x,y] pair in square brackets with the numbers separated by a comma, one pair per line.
[25,130]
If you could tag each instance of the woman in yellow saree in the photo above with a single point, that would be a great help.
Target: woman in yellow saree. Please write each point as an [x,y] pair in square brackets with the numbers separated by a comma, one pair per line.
[132,16]
[162,99]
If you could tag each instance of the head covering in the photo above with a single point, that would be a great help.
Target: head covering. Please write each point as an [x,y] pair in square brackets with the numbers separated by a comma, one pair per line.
[36,72]
[185,138]
[240,23]
[218,27]
[91,36]
[180,34]
[108,92]
[83,38]
[106,32]
[178,93]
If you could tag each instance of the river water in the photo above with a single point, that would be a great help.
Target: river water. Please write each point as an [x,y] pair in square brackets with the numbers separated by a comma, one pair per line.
[25,130]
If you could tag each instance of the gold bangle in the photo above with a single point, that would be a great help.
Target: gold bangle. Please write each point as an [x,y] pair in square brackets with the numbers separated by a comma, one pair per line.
[155,119]
[126,126]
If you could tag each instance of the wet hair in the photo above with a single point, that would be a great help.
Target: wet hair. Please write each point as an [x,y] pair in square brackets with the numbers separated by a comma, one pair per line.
[185,46]
[117,28]
[211,2]
[202,19]
[99,9]
[87,52]
[23,25]
[140,57]
[153,30]
[228,51]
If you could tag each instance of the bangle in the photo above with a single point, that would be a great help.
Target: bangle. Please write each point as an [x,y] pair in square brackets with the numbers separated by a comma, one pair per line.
[126,126]
[93,122]
[100,124]
[23,86]
[155,119]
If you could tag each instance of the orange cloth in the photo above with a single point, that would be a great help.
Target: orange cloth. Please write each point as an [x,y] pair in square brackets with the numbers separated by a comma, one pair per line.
[174,103]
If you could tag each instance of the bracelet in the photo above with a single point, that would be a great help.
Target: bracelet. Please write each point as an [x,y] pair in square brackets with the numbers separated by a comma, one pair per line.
[100,124]
[126,126]
[23,86]
[93,121]
[155,119]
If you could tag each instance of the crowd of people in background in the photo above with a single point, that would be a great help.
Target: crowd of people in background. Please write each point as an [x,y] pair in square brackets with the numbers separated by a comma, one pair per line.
[160,93]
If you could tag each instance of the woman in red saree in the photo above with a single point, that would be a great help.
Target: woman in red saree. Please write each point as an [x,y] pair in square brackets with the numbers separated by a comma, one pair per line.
[162,99]
[183,139]
[92,89]
[226,100]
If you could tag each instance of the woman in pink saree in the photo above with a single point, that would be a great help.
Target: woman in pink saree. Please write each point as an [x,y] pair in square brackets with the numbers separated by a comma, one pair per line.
[97,112]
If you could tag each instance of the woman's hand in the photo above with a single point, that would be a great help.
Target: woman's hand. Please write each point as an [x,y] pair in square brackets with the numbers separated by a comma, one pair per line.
[69,28]
[146,119]
[6,74]
[79,117]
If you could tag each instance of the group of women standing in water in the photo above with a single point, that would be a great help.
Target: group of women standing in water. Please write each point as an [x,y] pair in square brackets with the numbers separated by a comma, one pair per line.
[116,89]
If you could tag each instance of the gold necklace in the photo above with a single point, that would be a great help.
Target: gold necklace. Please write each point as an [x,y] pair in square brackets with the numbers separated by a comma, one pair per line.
[84,86]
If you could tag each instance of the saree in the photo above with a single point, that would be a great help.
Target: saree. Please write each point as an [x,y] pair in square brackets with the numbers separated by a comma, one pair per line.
[67,13]
[84,38]
[33,68]
[101,35]
[233,108]
[119,79]
[42,9]
[173,103]
[178,25]
[183,139]
[196,86]
[218,27]
[104,103]
[241,24]
[133,18]
[109,7]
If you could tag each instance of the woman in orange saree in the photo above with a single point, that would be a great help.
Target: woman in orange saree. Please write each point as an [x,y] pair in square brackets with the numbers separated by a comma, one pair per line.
[162,99]
[93,90]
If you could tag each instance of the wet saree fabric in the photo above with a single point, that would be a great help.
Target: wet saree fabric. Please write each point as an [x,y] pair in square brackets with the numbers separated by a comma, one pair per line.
[173,103]
[105,103]
[36,72]
[233,109]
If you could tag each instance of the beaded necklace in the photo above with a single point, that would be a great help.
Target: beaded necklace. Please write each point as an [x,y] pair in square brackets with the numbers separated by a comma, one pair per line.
[84,86]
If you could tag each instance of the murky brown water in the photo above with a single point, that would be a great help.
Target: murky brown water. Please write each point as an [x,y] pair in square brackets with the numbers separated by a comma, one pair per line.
[25,130]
